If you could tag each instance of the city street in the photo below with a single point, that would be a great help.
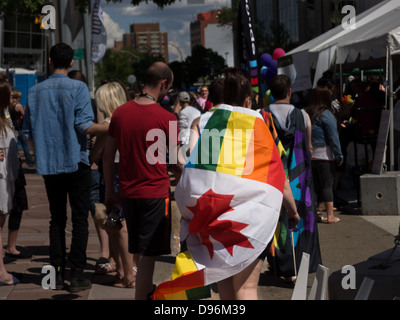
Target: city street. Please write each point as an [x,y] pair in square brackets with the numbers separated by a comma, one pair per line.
[354,240]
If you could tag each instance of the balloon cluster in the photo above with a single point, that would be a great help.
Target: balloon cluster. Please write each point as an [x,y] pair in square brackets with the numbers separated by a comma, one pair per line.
[269,70]
[347,100]
[269,64]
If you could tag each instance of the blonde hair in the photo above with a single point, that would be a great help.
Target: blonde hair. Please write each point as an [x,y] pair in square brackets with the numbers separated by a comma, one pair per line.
[109,97]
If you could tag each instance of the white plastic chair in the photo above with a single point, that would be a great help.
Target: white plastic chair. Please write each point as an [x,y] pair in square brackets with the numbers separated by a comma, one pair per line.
[300,288]
[320,284]
[365,289]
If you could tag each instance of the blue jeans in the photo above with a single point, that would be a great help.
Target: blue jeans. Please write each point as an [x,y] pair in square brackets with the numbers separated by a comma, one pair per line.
[23,139]
[77,186]
[94,191]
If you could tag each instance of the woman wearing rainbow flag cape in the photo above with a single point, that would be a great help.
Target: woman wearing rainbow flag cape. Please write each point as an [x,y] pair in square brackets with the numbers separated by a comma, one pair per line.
[229,195]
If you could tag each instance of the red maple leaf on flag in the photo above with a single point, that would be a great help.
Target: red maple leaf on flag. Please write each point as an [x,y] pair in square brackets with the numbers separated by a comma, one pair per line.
[208,208]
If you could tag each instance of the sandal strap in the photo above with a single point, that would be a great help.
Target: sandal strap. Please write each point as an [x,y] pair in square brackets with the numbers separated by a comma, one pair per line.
[105,265]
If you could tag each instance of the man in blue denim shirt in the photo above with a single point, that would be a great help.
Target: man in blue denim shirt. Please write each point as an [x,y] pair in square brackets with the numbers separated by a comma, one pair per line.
[58,117]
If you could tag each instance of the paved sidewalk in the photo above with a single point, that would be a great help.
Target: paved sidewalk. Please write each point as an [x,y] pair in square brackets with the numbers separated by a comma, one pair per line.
[353,240]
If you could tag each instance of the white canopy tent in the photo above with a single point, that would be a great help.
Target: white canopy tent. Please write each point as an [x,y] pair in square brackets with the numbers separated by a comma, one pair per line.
[376,35]
[369,39]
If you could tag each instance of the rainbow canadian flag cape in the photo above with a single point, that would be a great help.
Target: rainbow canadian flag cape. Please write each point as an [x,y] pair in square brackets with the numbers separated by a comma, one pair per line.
[229,195]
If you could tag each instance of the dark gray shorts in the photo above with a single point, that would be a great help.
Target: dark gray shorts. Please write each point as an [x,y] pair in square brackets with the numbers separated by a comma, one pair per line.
[149,225]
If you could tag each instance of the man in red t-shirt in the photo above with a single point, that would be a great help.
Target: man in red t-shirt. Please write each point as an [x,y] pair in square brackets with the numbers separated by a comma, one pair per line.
[143,132]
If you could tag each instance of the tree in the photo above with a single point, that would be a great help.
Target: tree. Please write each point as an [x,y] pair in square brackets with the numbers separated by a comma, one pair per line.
[119,65]
[203,63]
[178,68]
[228,16]
[30,7]
[24,7]
[141,66]
[114,65]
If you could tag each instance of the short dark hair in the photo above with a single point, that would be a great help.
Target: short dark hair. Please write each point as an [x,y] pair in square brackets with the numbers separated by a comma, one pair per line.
[157,72]
[216,95]
[280,86]
[325,82]
[61,55]
[77,75]
[237,87]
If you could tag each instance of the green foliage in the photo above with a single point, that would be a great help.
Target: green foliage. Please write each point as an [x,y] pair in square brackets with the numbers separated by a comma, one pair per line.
[203,63]
[228,16]
[141,66]
[84,4]
[114,65]
[160,3]
[29,7]
[119,65]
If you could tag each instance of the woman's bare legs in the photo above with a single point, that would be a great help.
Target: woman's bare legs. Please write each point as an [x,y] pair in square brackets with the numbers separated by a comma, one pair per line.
[127,259]
[242,286]
[4,275]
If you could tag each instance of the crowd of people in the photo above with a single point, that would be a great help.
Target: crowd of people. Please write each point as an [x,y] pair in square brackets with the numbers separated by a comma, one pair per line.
[96,151]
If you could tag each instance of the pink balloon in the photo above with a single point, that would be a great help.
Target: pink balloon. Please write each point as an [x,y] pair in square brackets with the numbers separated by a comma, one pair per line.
[278,53]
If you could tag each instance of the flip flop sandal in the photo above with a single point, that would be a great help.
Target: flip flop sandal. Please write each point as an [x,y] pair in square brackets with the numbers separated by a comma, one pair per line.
[123,283]
[15,281]
[106,268]
[337,220]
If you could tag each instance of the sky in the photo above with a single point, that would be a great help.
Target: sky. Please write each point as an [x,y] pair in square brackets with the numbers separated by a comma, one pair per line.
[174,19]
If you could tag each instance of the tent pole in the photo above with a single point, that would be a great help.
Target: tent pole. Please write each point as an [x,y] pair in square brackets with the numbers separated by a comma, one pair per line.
[391,127]
[341,80]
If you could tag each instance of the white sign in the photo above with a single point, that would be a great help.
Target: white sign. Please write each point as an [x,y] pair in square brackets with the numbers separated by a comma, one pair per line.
[297,68]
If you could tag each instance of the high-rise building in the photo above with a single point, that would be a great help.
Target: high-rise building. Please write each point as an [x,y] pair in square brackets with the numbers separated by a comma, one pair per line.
[306,19]
[147,38]
[206,31]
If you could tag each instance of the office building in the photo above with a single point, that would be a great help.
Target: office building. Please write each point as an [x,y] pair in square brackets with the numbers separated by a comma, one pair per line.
[306,19]
[147,38]
[205,31]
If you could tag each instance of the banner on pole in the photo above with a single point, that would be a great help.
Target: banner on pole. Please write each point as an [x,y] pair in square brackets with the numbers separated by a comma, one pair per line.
[99,33]
[247,45]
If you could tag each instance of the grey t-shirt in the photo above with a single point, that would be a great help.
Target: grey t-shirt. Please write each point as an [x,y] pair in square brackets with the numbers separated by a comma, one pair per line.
[282,110]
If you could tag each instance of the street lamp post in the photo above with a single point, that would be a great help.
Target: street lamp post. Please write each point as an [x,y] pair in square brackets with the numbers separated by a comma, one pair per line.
[183,65]
[131,78]
[131,54]
[179,50]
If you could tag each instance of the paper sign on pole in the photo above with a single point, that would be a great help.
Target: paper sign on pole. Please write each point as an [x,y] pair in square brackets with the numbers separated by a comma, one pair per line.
[296,67]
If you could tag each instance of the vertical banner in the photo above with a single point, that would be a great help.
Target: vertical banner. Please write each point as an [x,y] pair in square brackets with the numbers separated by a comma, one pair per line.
[99,33]
[247,45]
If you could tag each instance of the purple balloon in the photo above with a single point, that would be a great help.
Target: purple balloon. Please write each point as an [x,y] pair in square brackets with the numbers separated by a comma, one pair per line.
[266,59]
[263,68]
[267,75]
[274,67]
